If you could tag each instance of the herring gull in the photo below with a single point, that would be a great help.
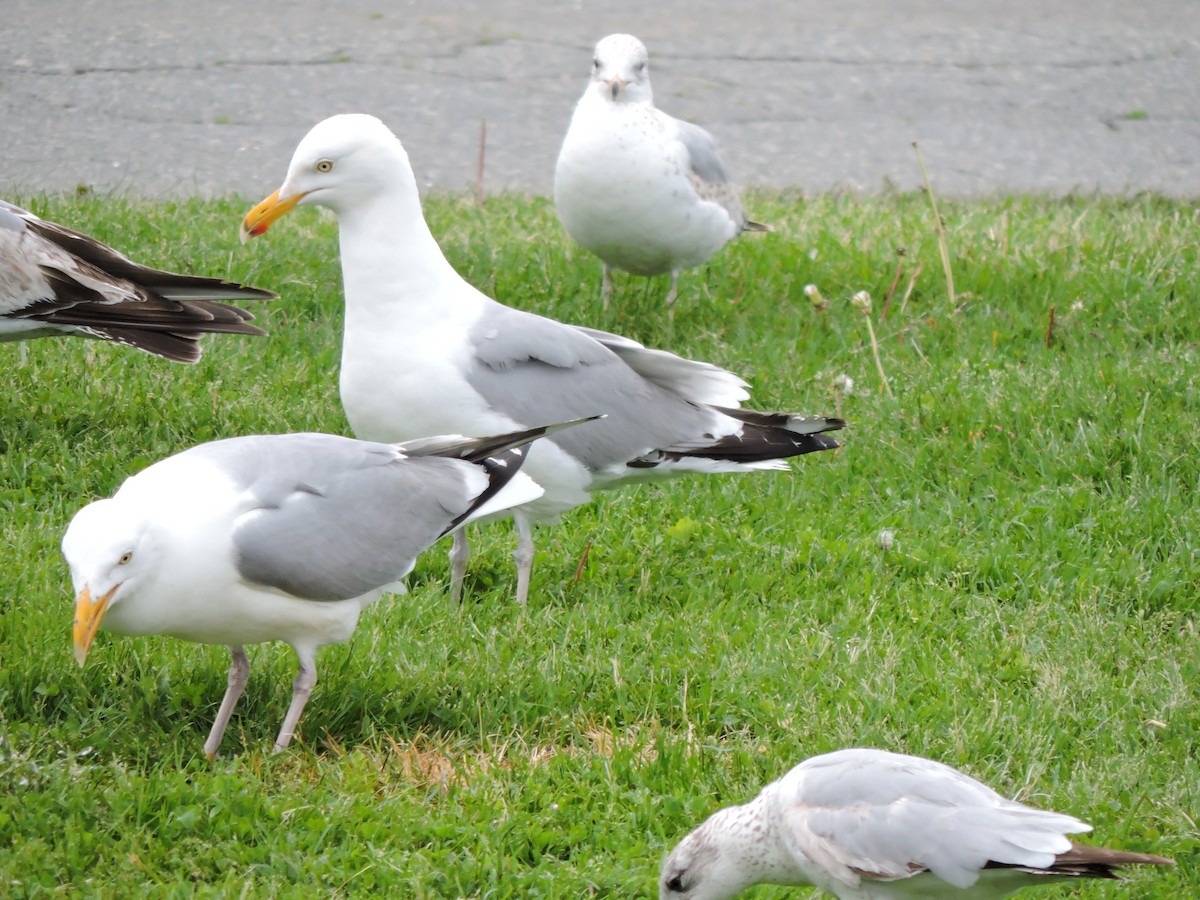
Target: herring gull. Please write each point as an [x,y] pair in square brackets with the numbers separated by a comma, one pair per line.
[55,281]
[645,192]
[277,537]
[424,352]
[871,825]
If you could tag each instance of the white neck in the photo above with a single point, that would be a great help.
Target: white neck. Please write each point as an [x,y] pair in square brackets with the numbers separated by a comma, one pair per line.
[388,253]
[406,314]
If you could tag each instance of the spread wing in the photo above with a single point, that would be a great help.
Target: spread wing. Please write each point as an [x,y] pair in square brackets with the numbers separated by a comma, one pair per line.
[55,280]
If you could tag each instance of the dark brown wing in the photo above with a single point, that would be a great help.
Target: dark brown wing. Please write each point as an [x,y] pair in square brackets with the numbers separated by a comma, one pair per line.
[91,289]
[1083,861]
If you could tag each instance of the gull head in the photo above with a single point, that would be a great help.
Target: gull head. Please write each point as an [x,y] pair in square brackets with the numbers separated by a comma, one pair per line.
[703,866]
[109,553]
[621,70]
[343,162]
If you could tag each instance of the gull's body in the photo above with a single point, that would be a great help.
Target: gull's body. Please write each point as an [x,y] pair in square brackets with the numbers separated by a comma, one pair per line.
[871,825]
[55,281]
[646,192]
[277,537]
[424,351]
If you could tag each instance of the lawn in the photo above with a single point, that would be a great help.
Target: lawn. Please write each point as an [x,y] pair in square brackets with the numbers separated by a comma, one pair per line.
[999,569]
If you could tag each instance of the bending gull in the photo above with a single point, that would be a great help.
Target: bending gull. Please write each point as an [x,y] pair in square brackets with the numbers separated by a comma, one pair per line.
[645,192]
[277,537]
[871,825]
[55,281]
[424,351]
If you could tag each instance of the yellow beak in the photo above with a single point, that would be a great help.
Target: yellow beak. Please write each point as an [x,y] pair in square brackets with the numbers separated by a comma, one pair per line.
[88,614]
[259,219]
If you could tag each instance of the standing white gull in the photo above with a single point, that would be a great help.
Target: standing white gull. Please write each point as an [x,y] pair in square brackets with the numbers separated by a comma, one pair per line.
[55,281]
[277,537]
[645,192]
[424,351]
[871,825]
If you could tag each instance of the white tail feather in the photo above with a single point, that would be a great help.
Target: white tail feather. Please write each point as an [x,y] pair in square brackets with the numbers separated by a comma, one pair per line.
[521,489]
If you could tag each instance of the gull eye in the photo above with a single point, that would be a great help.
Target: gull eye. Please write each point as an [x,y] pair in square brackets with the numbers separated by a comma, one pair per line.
[640,67]
[676,884]
[125,557]
[325,165]
[596,63]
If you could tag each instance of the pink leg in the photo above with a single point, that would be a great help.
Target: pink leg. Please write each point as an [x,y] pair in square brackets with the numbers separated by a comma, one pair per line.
[672,293]
[460,552]
[239,674]
[524,557]
[301,689]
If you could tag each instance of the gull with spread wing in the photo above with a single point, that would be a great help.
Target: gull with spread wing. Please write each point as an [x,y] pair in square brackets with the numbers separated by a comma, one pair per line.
[425,352]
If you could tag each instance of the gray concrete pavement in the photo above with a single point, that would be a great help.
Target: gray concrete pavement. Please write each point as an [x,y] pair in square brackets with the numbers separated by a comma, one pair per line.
[166,98]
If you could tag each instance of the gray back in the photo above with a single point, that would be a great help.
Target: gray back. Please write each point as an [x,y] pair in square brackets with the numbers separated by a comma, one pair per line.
[334,518]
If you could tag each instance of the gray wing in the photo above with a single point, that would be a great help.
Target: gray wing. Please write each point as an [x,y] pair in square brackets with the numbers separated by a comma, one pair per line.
[536,370]
[868,812]
[707,172]
[702,153]
[699,382]
[332,518]
[72,283]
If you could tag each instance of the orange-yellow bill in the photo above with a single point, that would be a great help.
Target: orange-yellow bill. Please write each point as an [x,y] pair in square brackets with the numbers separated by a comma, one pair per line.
[259,219]
[88,613]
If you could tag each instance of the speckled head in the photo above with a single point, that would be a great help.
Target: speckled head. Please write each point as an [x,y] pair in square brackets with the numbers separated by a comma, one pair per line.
[718,860]
[621,70]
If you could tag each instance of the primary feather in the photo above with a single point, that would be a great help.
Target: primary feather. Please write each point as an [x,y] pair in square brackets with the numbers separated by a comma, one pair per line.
[55,281]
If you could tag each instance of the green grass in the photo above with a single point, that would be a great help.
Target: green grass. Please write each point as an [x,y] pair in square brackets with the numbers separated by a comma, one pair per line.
[1034,621]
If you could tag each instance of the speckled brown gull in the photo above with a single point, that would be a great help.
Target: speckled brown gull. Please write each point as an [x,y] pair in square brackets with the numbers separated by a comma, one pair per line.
[55,281]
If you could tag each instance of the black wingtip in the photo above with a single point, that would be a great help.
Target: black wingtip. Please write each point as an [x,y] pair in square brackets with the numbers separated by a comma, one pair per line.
[528,435]
[476,449]
[501,467]
[763,437]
